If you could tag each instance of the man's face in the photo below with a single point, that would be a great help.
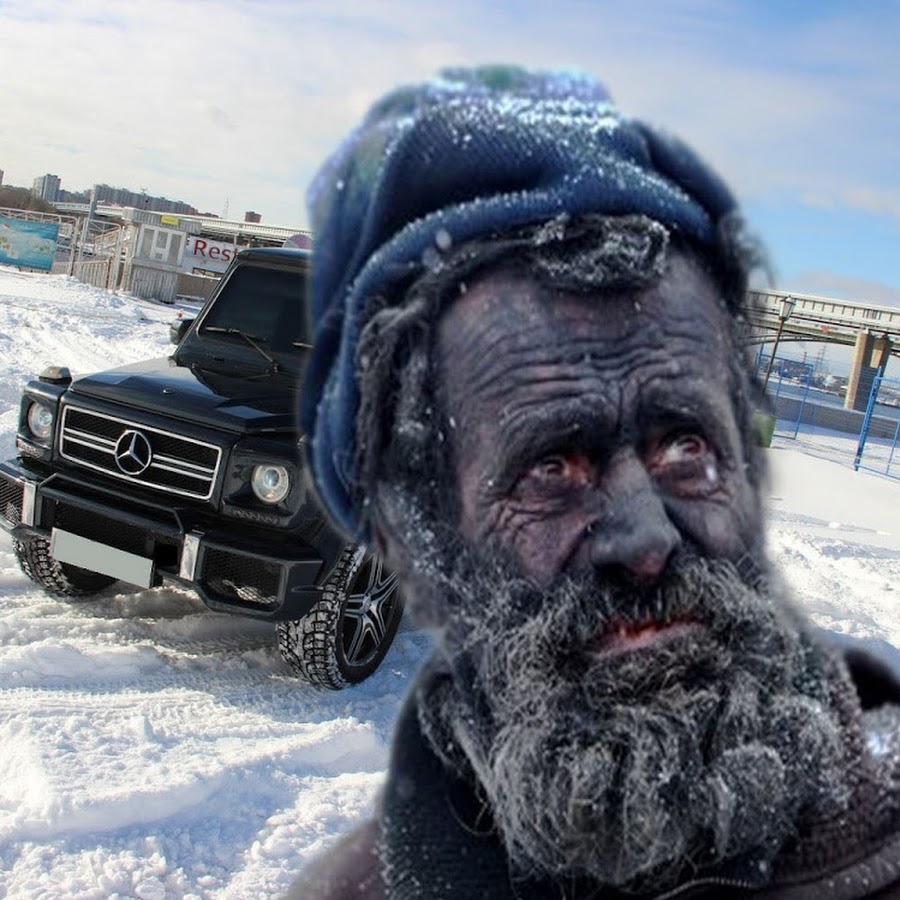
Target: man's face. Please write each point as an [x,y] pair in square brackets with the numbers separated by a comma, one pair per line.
[596,431]
[630,703]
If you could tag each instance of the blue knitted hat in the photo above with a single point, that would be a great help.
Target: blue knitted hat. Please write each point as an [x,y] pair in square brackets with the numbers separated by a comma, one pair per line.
[474,152]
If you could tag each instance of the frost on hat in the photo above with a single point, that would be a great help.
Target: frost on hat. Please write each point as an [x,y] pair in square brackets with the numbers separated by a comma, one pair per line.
[473,152]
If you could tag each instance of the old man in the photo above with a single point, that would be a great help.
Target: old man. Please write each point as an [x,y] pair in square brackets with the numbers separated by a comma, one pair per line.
[529,391]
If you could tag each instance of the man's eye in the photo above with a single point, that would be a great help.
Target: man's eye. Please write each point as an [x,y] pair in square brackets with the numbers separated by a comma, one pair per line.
[683,448]
[549,467]
[686,462]
[557,470]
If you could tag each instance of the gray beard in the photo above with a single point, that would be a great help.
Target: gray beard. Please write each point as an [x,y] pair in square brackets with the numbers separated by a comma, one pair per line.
[699,754]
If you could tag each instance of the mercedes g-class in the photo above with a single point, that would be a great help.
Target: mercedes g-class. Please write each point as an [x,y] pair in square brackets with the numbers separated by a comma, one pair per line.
[189,469]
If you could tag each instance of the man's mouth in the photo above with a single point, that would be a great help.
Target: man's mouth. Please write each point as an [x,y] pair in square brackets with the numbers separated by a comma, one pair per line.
[624,637]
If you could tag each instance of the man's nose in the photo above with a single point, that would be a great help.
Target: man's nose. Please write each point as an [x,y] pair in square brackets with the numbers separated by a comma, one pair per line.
[635,538]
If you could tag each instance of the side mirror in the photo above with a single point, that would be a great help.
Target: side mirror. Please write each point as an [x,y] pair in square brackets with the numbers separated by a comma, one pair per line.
[178,329]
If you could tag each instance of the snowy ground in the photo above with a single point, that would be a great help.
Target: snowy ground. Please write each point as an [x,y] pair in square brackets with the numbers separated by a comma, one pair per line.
[153,749]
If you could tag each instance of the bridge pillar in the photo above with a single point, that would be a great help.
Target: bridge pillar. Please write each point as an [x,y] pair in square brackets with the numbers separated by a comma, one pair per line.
[881,352]
[871,353]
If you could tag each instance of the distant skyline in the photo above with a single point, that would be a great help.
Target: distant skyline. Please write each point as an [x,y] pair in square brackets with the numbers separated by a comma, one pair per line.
[239,102]
[44,187]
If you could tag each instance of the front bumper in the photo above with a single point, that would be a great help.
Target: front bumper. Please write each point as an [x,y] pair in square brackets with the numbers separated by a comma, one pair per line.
[272,577]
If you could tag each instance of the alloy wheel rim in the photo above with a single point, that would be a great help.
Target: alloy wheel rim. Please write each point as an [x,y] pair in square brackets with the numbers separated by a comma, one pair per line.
[368,612]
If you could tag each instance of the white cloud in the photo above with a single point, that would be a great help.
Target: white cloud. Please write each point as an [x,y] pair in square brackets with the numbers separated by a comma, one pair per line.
[203,101]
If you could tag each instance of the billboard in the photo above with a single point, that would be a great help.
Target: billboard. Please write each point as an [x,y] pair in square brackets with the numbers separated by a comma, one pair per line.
[30,244]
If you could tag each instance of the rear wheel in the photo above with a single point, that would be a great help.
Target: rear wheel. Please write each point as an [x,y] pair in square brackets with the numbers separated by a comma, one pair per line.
[56,577]
[347,634]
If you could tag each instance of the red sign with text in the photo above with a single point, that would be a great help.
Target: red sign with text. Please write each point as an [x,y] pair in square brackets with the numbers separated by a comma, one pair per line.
[207,256]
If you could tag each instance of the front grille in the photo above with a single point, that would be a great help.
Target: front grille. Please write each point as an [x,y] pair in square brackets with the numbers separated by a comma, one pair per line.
[233,576]
[11,493]
[137,453]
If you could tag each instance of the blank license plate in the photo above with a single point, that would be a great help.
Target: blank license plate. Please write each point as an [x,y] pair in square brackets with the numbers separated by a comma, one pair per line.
[78,551]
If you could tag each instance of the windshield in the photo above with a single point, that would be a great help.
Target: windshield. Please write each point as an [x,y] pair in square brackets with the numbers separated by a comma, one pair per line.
[265,304]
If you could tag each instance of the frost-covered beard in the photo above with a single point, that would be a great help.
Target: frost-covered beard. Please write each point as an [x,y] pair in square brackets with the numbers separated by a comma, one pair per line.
[694,754]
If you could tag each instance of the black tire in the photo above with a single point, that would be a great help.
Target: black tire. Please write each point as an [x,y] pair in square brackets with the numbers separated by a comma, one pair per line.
[345,636]
[56,577]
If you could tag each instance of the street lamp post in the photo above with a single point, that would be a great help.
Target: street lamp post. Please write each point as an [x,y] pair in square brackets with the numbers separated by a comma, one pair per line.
[787,307]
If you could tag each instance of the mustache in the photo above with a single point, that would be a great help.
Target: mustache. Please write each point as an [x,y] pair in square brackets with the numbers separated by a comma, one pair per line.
[569,619]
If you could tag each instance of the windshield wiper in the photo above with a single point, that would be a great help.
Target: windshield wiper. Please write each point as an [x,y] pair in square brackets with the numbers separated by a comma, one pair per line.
[221,329]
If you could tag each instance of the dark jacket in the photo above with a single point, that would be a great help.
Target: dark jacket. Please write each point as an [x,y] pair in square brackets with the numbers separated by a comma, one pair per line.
[421,846]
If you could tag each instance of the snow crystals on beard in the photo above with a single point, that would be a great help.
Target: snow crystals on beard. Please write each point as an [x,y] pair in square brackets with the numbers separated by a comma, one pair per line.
[628,768]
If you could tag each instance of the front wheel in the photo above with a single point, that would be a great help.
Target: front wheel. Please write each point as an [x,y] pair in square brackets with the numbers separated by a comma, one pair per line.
[345,636]
[57,577]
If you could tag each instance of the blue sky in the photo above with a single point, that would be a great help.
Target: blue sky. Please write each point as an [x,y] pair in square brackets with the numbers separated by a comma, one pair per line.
[796,104]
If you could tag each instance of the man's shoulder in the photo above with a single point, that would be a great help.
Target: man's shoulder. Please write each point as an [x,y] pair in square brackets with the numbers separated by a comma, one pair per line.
[351,870]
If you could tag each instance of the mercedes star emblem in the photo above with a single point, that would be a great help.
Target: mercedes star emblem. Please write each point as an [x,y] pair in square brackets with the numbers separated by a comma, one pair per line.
[133,452]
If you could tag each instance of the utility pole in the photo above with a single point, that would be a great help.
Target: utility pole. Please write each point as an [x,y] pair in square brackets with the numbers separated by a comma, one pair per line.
[787,307]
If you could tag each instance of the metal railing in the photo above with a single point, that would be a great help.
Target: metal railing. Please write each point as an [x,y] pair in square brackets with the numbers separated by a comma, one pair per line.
[877,451]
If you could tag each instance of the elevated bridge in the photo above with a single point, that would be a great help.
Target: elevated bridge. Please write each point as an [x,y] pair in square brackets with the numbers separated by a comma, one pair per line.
[874,331]
[818,319]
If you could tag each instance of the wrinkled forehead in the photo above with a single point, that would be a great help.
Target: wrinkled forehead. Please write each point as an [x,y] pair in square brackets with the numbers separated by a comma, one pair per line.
[506,311]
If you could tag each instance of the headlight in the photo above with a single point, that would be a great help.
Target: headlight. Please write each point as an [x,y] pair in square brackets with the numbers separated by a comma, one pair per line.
[40,421]
[270,483]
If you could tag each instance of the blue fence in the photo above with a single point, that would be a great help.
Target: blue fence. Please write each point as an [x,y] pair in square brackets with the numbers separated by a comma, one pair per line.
[809,409]
[877,450]
[788,389]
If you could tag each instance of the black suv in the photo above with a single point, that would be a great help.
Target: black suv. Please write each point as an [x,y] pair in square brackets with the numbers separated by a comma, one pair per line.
[189,469]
